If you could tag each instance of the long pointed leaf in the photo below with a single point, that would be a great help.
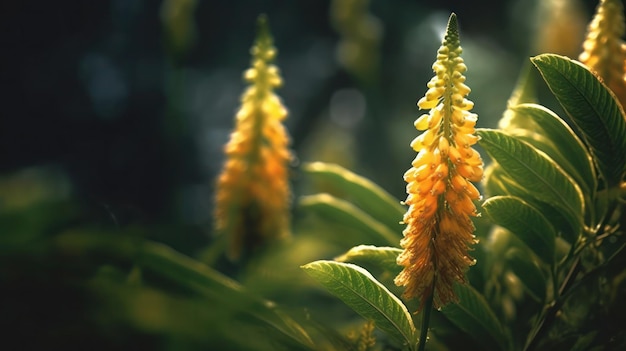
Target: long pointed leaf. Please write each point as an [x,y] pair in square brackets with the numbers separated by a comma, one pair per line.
[524,92]
[381,257]
[536,173]
[498,182]
[358,289]
[367,195]
[184,272]
[194,320]
[342,212]
[473,315]
[531,276]
[523,220]
[565,147]
[592,108]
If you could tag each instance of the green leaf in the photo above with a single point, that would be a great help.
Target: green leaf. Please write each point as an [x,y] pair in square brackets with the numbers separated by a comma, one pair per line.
[342,212]
[592,108]
[524,92]
[191,320]
[564,146]
[364,193]
[497,182]
[528,224]
[358,289]
[585,341]
[531,276]
[382,257]
[185,272]
[536,173]
[473,315]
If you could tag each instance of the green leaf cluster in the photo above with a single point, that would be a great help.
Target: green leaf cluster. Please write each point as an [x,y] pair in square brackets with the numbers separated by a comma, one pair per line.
[375,297]
[549,273]
[553,191]
[552,195]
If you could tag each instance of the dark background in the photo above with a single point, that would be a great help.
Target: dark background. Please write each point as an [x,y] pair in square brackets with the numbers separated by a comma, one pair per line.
[90,87]
[97,103]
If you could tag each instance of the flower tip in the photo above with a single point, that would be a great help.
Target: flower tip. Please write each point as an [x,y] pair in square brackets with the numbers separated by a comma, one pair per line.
[452,18]
[262,21]
[452,24]
[263,30]
[451,39]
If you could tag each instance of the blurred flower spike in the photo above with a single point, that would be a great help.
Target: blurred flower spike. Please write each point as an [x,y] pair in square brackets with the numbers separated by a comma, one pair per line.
[253,195]
[604,51]
[439,230]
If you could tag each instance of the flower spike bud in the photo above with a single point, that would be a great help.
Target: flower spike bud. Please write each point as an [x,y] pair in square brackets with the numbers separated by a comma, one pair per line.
[439,230]
[604,51]
[253,196]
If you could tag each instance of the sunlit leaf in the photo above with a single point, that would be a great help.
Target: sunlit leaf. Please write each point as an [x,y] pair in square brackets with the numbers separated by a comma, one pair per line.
[524,92]
[531,276]
[592,108]
[563,145]
[536,173]
[528,224]
[364,193]
[473,315]
[342,212]
[382,257]
[358,289]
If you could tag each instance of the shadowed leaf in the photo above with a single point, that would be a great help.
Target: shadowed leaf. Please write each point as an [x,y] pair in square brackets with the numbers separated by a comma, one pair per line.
[536,173]
[473,315]
[526,222]
[530,275]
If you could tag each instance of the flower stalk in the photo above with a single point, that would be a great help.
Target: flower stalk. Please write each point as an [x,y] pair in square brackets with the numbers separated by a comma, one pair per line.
[253,195]
[439,229]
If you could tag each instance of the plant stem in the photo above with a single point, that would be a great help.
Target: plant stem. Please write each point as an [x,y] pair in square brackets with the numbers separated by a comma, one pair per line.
[551,312]
[428,307]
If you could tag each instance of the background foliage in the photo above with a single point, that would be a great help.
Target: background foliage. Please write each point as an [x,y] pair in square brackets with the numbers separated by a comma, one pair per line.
[112,136]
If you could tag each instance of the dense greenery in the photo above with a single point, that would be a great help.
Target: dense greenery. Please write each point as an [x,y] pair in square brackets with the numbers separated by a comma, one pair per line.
[550,262]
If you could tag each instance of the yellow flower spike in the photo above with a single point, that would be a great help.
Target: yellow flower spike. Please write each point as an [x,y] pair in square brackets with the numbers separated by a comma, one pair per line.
[253,195]
[439,229]
[604,50]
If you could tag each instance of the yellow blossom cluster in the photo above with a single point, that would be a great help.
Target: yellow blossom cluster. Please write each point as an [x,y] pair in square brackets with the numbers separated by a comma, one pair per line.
[604,51]
[253,195]
[439,229]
